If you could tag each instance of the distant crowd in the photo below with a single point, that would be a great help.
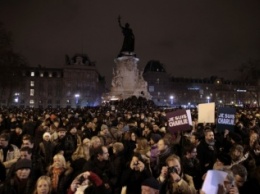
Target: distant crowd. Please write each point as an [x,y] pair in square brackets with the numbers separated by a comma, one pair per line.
[123,148]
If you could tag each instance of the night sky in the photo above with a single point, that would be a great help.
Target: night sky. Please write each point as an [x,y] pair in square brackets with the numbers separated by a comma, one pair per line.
[192,38]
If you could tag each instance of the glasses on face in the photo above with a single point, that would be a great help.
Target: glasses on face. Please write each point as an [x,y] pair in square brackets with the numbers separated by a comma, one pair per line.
[105,153]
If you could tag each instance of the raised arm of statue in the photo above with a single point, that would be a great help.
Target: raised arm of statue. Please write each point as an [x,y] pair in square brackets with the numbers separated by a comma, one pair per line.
[119,21]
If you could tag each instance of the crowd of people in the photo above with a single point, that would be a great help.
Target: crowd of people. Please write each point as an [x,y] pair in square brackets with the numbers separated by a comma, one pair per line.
[123,149]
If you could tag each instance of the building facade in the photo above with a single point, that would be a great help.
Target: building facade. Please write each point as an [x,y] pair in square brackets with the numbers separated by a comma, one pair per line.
[189,92]
[76,84]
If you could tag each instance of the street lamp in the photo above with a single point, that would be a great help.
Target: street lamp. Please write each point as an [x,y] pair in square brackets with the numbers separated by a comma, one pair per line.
[16,100]
[208,98]
[171,99]
[77,98]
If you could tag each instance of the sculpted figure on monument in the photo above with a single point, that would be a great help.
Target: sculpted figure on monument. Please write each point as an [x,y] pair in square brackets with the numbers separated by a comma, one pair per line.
[129,38]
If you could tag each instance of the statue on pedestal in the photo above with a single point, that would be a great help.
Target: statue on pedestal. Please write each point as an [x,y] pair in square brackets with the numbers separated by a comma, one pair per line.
[129,38]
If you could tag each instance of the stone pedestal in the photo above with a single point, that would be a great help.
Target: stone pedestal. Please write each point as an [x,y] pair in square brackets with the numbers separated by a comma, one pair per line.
[127,80]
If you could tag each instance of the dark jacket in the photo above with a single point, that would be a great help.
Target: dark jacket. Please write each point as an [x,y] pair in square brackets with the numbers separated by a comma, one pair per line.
[16,186]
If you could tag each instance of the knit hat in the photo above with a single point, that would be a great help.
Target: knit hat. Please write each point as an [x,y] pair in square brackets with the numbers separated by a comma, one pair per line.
[61,129]
[151,182]
[104,127]
[23,163]
[155,137]
[46,134]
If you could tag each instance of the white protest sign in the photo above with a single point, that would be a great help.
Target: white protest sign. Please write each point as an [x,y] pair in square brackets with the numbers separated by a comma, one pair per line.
[206,113]
[212,180]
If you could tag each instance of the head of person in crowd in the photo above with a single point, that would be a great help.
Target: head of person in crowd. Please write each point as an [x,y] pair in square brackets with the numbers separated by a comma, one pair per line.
[82,151]
[89,124]
[190,151]
[4,140]
[72,130]
[174,165]
[154,139]
[56,122]
[28,141]
[222,160]
[209,136]
[133,136]
[101,153]
[59,161]
[236,153]
[95,142]
[137,162]
[147,129]
[240,174]
[43,185]
[118,147]
[156,127]
[229,185]
[150,186]
[253,138]
[163,144]
[23,169]
[18,130]
[142,145]
[104,130]
[61,132]
[26,153]
[120,125]
[195,138]
[46,136]
[86,142]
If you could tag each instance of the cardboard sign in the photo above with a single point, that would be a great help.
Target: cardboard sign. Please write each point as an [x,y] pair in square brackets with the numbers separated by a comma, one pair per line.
[226,118]
[178,121]
[206,113]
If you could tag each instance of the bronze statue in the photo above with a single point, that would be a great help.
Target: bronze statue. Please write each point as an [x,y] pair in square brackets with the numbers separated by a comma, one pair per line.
[129,38]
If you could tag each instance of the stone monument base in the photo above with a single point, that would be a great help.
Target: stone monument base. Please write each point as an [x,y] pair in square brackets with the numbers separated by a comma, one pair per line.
[127,80]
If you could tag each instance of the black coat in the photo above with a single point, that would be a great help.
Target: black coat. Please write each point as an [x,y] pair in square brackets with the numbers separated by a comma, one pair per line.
[206,155]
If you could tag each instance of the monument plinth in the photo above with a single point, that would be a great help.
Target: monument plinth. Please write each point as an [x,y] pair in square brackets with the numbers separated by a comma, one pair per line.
[127,80]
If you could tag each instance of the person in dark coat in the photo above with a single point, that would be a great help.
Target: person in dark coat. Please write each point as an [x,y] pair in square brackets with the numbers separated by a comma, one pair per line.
[64,145]
[21,182]
[134,175]
[101,165]
[46,148]
[191,165]
[118,162]
[207,151]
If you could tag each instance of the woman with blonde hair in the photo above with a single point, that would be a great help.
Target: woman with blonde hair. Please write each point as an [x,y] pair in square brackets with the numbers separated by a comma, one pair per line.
[80,157]
[59,173]
[43,185]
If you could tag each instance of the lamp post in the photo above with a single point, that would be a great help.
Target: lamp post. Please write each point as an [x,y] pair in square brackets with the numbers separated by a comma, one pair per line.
[77,98]
[16,100]
[208,98]
[171,99]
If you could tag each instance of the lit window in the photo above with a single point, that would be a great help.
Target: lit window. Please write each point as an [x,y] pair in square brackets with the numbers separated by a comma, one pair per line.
[50,74]
[32,74]
[32,83]
[158,80]
[31,92]
[41,75]
[31,101]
